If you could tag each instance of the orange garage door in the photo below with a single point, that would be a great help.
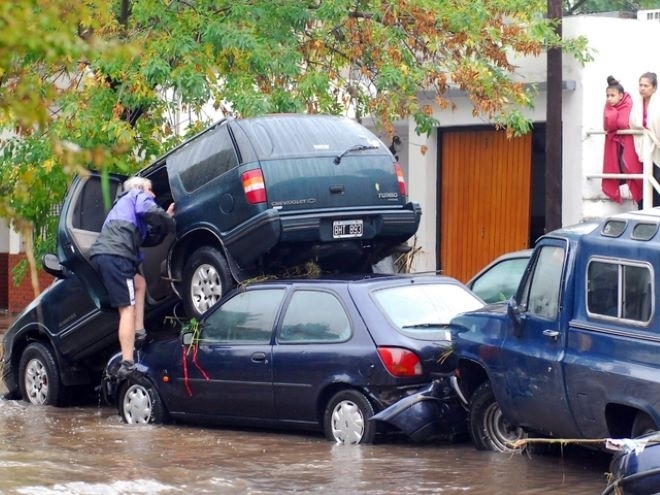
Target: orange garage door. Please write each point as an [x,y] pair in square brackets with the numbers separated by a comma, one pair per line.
[484,198]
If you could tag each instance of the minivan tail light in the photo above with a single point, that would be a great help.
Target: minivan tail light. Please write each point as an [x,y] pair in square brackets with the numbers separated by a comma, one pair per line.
[402,181]
[254,186]
[400,362]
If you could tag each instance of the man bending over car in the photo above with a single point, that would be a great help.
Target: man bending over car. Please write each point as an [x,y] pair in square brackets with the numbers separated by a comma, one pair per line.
[116,255]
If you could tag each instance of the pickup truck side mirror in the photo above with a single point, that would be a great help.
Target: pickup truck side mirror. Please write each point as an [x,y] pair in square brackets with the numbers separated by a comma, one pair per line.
[513,310]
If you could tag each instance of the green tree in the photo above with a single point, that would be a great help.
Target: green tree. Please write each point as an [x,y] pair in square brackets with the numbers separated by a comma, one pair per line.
[96,84]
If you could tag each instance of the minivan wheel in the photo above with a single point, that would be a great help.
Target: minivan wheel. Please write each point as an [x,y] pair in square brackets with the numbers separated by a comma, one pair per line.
[140,404]
[346,418]
[206,279]
[39,380]
[489,429]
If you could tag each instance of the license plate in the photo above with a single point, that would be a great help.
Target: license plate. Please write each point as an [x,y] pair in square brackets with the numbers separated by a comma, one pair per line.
[342,229]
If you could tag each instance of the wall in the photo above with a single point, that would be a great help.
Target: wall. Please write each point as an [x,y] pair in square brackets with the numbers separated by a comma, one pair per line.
[613,41]
[21,295]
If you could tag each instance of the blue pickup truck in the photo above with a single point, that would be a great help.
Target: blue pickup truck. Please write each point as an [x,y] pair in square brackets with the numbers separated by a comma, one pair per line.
[575,353]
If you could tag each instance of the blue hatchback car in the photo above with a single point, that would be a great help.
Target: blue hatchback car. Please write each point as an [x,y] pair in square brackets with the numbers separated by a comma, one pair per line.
[315,354]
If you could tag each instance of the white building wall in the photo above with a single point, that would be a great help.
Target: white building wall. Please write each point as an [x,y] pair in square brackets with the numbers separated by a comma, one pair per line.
[4,236]
[618,50]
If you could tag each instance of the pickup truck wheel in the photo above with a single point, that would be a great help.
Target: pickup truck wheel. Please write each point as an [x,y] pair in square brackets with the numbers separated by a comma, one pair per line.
[488,428]
[206,279]
[642,425]
[39,379]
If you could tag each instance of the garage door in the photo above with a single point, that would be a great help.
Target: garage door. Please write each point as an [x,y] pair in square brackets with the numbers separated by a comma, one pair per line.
[484,198]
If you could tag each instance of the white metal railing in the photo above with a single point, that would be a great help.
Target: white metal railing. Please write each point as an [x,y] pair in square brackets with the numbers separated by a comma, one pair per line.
[647,172]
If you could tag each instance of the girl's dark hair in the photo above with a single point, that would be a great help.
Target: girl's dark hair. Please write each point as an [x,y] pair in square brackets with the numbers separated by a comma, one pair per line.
[651,76]
[613,83]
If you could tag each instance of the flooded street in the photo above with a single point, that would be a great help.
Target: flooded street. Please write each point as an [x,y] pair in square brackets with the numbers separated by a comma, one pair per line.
[88,450]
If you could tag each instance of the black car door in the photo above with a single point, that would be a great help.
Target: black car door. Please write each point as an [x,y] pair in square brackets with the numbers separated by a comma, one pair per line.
[80,222]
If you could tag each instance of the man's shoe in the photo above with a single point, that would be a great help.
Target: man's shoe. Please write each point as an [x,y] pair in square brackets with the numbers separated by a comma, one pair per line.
[126,369]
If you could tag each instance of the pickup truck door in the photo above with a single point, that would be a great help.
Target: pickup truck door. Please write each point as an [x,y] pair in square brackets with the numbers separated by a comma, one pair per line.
[534,352]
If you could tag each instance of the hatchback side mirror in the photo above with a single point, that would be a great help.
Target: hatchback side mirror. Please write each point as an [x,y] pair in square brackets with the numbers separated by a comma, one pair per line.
[187,338]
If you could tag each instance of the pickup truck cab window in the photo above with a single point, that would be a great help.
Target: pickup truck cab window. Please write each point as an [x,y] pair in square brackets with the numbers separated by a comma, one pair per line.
[543,291]
[618,289]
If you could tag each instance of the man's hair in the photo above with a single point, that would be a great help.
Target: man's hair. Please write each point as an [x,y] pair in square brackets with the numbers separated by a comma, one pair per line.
[137,183]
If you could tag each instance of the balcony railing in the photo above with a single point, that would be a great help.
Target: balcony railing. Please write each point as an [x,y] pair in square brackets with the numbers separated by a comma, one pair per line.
[647,172]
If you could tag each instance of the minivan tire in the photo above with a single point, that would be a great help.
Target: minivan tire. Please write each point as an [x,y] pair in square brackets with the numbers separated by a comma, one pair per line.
[489,430]
[206,278]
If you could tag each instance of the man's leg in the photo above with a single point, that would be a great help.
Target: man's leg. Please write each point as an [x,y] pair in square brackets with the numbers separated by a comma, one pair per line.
[140,292]
[127,331]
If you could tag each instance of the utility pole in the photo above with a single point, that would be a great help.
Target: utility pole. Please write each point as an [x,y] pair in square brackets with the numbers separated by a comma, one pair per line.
[553,129]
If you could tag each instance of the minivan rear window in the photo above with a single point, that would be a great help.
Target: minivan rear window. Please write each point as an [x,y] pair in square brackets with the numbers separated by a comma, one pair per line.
[274,136]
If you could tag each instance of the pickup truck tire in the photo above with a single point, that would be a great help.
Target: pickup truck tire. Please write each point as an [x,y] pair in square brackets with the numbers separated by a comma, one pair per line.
[488,428]
[642,425]
[206,279]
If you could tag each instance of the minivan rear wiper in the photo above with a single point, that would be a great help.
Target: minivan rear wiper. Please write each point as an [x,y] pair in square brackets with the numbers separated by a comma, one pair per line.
[355,147]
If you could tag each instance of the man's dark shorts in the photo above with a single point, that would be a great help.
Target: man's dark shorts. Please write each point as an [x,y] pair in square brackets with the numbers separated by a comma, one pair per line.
[117,275]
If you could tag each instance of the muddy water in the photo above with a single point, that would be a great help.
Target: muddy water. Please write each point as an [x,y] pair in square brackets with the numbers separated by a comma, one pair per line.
[87,450]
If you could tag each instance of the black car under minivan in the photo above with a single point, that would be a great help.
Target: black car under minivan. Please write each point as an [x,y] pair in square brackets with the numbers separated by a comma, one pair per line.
[257,196]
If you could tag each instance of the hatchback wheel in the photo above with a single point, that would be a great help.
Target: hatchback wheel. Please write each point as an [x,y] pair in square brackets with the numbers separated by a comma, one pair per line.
[206,279]
[488,427]
[139,403]
[346,418]
[38,377]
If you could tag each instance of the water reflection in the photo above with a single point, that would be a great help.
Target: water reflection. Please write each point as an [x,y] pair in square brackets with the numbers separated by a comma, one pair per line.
[81,451]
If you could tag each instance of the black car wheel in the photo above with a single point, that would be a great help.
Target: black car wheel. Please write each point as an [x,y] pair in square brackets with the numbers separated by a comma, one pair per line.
[38,377]
[346,418]
[139,403]
[488,427]
[206,278]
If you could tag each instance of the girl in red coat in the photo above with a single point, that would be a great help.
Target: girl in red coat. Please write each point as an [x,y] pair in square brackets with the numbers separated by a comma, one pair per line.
[620,156]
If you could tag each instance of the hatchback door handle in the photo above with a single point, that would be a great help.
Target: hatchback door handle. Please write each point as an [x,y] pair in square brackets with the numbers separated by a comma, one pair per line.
[258,357]
[553,334]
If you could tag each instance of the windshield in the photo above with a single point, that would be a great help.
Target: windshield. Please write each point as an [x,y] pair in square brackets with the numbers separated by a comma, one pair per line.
[425,310]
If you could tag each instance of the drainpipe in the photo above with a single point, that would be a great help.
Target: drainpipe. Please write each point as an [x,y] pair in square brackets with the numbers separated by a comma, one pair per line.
[553,129]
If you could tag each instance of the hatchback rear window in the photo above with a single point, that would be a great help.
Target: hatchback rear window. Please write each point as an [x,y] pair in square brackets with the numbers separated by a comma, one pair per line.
[423,311]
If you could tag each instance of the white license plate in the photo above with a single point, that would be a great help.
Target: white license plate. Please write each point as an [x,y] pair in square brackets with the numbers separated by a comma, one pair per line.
[342,229]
